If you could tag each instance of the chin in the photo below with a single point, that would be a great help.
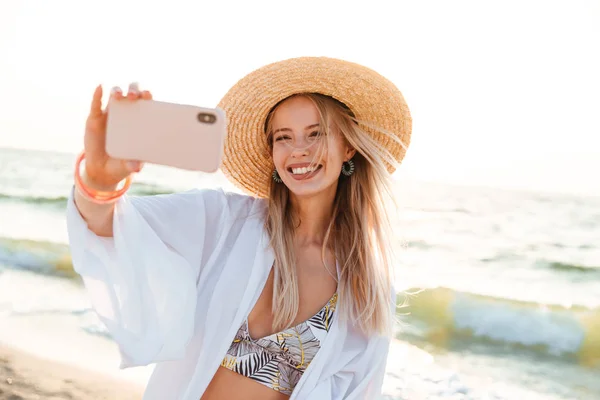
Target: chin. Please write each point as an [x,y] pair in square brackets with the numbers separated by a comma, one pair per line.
[306,191]
[311,189]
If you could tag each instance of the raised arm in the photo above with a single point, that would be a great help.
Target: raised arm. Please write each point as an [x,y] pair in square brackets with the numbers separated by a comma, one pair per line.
[140,257]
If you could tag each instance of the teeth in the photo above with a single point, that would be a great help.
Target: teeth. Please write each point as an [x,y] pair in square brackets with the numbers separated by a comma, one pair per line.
[303,170]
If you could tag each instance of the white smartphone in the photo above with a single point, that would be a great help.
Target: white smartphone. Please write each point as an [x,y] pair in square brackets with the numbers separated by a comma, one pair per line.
[175,135]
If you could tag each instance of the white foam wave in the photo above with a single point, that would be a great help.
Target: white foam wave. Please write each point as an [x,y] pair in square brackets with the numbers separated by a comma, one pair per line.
[561,331]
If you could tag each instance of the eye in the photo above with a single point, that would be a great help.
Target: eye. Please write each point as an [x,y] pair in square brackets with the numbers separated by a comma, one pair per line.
[282,137]
[315,134]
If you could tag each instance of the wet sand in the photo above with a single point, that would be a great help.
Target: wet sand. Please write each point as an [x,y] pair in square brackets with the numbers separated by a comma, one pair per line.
[27,377]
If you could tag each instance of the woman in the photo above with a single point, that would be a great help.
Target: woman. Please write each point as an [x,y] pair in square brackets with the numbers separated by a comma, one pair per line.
[285,292]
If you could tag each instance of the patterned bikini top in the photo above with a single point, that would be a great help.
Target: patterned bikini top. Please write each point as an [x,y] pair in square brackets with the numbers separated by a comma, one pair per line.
[279,360]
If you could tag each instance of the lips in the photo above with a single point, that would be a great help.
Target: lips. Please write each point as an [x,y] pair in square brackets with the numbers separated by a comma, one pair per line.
[303,171]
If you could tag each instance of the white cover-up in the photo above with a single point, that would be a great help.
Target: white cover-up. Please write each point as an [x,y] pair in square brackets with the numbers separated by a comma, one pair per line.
[177,279]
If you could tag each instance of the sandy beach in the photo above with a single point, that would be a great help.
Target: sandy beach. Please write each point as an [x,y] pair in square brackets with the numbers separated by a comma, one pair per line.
[26,377]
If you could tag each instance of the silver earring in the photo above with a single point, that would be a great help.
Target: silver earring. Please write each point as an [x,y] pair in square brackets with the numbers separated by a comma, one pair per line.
[276,177]
[348,168]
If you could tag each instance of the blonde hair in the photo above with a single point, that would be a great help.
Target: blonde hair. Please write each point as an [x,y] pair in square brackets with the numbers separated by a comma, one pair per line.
[358,231]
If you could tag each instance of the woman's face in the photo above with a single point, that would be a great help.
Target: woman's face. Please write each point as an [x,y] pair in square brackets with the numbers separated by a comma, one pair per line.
[308,163]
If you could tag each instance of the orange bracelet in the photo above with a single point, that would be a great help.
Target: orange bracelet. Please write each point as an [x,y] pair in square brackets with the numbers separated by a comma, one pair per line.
[97,196]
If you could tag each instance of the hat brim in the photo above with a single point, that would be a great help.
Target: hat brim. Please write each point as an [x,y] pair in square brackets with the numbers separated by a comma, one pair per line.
[247,161]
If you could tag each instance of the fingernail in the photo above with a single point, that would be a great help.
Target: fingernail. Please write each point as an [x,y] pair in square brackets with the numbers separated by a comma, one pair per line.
[115,90]
[134,87]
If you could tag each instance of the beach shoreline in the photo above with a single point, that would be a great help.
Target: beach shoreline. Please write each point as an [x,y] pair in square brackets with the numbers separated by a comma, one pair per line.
[25,376]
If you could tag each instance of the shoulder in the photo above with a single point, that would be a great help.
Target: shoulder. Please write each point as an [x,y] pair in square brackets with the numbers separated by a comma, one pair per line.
[214,206]
[206,197]
[227,202]
[235,204]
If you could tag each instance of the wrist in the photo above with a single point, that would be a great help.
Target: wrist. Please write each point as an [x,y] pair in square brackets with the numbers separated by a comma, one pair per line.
[96,184]
[97,193]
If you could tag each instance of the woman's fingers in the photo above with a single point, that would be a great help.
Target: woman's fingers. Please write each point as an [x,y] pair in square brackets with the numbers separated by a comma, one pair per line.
[96,106]
[105,170]
[133,92]
[116,92]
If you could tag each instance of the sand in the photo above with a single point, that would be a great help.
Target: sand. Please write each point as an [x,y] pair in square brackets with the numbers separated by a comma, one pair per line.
[27,377]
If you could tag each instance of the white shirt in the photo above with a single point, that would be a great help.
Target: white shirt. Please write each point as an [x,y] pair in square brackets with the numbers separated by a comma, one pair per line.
[177,279]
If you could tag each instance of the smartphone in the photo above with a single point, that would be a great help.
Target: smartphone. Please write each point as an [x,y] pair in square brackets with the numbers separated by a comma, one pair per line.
[176,135]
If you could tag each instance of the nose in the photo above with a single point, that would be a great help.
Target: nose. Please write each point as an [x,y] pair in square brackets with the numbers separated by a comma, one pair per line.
[297,153]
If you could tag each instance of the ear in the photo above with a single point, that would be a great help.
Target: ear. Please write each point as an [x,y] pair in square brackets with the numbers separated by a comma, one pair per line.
[350,152]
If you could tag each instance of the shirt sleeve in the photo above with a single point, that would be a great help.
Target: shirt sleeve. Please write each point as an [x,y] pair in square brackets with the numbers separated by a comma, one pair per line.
[142,280]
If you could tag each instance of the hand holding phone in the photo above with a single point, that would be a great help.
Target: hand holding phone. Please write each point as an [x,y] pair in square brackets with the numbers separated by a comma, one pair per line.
[103,172]
[176,135]
[134,129]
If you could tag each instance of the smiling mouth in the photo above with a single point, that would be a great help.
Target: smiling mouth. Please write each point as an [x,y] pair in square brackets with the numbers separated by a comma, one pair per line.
[304,172]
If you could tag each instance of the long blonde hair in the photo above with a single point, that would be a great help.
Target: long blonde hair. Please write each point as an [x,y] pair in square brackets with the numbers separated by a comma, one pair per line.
[358,231]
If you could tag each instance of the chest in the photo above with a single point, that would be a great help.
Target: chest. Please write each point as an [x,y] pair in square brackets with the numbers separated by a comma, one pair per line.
[278,358]
[316,286]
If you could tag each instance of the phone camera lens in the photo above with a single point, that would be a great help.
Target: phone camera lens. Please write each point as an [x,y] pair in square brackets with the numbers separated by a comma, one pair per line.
[207,118]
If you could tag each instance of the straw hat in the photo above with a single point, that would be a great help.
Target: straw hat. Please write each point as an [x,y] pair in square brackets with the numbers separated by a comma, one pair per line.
[247,161]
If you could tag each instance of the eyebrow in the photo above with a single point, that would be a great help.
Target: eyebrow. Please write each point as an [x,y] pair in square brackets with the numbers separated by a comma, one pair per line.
[289,130]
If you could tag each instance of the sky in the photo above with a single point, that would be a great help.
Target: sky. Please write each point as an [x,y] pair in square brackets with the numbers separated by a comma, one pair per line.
[501,93]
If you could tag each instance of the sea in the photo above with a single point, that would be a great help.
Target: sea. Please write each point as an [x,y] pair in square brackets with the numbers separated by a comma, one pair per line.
[499,288]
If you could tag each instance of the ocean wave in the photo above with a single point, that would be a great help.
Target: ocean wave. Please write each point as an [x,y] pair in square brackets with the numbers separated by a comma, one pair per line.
[441,315]
[137,189]
[560,266]
[53,201]
[42,257]
[438,315]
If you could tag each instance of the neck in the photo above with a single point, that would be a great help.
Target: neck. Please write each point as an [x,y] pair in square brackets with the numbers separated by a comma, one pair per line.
[314,215]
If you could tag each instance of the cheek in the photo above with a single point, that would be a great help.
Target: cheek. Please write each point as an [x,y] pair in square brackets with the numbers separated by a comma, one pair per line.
[278,158]
[334,165]
[335,156]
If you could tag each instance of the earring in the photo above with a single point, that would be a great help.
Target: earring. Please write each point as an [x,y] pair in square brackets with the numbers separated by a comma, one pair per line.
[348,168]
[276,177]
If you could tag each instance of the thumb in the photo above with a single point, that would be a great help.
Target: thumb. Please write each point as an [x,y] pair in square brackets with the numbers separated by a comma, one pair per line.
[134,166]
